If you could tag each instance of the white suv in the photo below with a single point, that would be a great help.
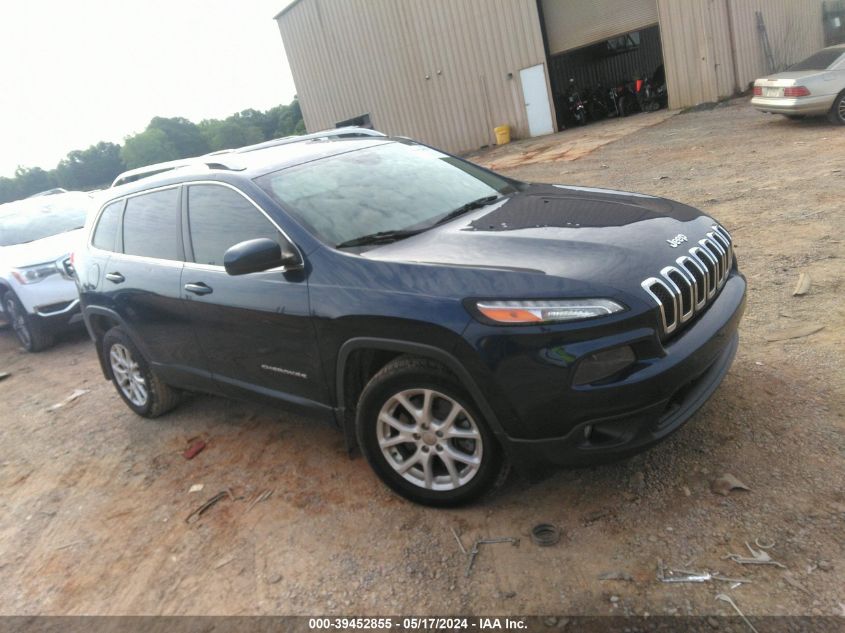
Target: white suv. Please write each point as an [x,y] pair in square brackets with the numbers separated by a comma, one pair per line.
[38,296]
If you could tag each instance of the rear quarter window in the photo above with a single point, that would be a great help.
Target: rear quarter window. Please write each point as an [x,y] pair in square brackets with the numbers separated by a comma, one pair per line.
[105,235]
[151,225]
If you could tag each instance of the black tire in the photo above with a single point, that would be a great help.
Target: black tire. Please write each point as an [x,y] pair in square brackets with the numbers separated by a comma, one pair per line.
[408,374]
[33,336]
[159,398]
[837,110]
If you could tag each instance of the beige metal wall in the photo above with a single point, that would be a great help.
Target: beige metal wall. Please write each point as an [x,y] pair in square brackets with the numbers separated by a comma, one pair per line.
[442,71]
[575,23]
[712,48]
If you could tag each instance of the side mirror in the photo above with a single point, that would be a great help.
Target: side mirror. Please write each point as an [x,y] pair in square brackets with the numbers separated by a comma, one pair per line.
[253,256]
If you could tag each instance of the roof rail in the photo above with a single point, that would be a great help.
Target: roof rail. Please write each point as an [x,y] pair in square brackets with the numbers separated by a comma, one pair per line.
[146,171]
[340,132]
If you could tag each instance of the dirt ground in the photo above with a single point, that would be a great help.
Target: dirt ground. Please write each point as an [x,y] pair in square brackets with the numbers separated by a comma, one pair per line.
[93,500]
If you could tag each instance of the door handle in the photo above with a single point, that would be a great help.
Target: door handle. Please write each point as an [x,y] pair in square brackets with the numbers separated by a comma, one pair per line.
[198,289]
[115,278]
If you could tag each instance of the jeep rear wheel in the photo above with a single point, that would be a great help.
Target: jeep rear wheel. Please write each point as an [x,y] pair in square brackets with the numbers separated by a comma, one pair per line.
[423,436]
[133,378]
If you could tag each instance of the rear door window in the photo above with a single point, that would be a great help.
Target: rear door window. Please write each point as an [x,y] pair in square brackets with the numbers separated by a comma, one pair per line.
[105,235]
[219,218]
[151,225]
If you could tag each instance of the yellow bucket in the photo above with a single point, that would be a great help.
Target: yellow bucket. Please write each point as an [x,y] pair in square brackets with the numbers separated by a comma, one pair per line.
[503,134]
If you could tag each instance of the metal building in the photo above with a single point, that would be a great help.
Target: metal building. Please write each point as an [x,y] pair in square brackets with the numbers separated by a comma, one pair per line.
[448,71]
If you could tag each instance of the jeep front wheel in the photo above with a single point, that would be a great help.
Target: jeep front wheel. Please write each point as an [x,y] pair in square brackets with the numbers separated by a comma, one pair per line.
[423,436]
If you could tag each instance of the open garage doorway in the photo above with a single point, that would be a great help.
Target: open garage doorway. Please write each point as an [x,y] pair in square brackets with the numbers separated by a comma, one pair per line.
[605,58]
[617,77]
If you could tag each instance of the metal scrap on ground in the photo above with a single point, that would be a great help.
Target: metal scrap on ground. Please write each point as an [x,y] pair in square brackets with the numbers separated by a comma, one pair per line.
[4,375]
[545,534]
[473,553]
[803,285]
[196,514]
[758,557]
[793,332]
[727,599]
[724,484]
[687,575]
[73,396]
[262,496]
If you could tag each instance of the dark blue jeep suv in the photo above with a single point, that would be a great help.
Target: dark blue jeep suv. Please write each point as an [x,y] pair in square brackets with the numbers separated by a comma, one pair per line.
[450,320]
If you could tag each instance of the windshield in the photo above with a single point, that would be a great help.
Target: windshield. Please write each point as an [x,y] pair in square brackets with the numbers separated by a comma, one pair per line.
[388,187]
[38,218]
[823,60]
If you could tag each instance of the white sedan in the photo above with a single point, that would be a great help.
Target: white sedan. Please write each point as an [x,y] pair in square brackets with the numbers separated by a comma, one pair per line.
[813,87]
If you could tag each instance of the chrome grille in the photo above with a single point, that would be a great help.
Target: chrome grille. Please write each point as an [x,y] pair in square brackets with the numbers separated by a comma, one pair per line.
[685,289]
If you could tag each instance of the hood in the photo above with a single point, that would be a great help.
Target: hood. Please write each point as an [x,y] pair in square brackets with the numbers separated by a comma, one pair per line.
[43,250]
[581,234]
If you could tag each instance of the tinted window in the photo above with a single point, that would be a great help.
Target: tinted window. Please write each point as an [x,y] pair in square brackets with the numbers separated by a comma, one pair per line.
[820,61]
[105,235]
[151,225]
[390,186]
[219,218]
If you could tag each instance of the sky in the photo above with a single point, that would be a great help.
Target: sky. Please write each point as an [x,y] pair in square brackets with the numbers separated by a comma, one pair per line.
[75,72]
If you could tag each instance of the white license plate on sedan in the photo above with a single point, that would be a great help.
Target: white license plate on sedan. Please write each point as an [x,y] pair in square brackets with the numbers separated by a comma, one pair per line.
[772,92]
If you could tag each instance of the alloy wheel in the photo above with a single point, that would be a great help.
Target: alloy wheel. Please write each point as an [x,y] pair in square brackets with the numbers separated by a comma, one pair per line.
[18,320]
[127,374]
[429,439]
[840,108]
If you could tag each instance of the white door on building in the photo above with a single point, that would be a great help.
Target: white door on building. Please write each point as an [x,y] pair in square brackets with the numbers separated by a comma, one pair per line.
[536,97]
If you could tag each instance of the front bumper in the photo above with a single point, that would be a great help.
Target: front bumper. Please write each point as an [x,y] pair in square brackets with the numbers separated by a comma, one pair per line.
[806,106]
[611,421]
[619,436]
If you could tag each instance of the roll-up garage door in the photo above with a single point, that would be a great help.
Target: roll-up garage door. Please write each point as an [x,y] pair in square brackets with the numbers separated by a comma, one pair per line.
[575,23]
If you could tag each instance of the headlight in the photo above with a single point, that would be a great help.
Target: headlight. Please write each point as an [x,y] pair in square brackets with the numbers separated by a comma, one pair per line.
[547,311]
[34,274]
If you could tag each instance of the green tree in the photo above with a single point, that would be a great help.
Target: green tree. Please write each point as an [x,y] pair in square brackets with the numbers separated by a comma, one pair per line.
[163,139]
[230,133]
[148,147]
[8,190]
[31,180]
[289,121]
[186,137]
[94,167]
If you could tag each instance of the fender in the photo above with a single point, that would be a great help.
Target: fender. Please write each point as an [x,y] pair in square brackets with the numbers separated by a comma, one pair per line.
[87,312]
[417,349]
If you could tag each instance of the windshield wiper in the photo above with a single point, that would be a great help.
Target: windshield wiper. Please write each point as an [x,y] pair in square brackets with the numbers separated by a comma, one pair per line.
[466,208]
[382,237]
[386,237]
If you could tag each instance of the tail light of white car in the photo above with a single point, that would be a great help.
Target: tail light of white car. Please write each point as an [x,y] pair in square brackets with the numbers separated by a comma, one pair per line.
[796,91]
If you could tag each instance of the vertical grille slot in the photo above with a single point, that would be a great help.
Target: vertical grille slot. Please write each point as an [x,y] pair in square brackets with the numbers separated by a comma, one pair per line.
[716,251]
[709,263]
[698,275]
[685,289]
[666,301]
